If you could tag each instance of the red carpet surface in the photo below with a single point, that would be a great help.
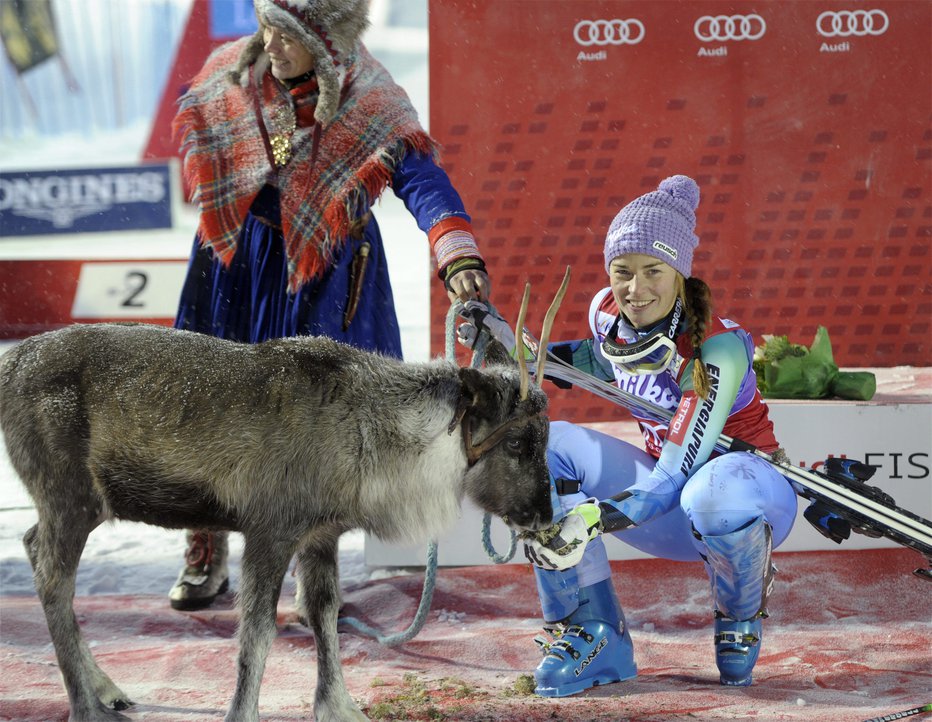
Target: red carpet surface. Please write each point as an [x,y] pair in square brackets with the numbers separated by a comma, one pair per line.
[849,639]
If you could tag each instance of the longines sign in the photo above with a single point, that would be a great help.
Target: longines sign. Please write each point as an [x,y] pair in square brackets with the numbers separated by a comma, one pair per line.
[85,200]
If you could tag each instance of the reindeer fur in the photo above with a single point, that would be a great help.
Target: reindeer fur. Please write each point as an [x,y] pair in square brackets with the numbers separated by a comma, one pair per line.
[291,442]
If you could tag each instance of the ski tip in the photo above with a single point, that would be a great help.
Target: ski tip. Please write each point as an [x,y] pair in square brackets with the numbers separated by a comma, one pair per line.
[926,574]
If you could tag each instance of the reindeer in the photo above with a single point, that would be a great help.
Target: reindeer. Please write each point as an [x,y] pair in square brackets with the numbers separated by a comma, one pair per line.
[291,442]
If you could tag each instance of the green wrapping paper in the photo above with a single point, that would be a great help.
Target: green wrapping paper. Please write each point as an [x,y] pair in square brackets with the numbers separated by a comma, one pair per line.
[787,370]
[859,385]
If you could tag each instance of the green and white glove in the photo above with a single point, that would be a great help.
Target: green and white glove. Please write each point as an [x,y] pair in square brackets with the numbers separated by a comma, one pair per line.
[482,317]
[562,545]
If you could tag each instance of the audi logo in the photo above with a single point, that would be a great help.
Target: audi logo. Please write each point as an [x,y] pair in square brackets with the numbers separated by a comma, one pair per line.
[609,32]
[716,28]
[852,22]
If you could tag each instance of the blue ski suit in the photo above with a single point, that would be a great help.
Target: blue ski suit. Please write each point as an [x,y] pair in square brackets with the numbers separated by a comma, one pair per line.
[677,487]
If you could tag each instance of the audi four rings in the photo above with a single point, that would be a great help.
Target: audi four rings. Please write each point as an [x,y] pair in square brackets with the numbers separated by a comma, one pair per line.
[716,28]
[609,32]
[852,22]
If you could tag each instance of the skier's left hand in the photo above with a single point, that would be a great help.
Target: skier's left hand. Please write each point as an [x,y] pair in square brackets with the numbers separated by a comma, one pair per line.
[566,540]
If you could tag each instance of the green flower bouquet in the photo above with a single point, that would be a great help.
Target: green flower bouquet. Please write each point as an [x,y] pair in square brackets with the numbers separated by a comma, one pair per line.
[787,370]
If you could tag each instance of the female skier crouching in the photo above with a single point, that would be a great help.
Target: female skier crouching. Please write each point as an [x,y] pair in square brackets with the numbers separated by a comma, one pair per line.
[677,501]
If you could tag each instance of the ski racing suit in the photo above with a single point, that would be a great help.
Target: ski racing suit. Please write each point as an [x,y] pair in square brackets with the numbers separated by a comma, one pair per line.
[677,500]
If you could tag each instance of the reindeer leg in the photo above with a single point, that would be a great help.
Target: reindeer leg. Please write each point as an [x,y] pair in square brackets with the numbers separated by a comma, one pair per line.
[317,567]
[54,547]
[264,563]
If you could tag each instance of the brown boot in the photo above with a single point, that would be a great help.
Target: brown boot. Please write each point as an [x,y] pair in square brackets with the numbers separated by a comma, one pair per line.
[205,574]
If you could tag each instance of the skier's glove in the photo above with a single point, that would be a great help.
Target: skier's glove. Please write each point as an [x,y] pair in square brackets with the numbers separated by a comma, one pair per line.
[482,317]
[562,545]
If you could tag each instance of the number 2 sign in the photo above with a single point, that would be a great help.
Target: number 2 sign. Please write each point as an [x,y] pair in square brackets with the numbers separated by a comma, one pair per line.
[143,289]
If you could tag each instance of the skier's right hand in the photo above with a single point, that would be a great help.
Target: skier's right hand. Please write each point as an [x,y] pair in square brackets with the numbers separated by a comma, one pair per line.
[566,541]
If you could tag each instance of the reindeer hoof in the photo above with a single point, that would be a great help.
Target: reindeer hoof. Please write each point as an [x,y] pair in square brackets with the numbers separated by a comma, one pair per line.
[340,708]
[121,704]
[111,696]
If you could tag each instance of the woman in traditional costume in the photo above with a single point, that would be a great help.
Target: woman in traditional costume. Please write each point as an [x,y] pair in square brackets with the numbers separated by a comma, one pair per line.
[289,136]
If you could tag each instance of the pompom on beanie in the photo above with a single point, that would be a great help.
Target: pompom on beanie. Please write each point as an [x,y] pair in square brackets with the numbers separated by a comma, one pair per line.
[661,224]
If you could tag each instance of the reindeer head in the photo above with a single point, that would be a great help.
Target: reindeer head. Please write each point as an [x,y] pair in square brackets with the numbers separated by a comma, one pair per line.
[505,428]
[507,473]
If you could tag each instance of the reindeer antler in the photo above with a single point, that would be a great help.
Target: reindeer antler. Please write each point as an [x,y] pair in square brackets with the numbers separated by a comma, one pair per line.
[519,340]
[548,325]
[545,333]
[475,451]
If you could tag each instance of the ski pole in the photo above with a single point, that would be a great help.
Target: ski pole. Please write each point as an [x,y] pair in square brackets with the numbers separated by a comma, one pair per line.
[902,715]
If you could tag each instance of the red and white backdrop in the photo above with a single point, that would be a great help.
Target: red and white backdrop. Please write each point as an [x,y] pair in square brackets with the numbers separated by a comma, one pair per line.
[808,126]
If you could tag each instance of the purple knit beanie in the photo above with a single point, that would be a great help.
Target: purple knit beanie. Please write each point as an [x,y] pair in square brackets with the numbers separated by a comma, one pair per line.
[660,224]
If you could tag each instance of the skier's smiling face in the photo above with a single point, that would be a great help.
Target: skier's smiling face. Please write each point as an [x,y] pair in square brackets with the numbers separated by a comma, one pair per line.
[644,288]
[288,57]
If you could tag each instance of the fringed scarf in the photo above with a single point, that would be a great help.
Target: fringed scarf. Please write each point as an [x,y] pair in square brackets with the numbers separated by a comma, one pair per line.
[226,163]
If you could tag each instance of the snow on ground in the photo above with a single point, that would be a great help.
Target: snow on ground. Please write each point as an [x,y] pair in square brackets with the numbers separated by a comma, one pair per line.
[848,640]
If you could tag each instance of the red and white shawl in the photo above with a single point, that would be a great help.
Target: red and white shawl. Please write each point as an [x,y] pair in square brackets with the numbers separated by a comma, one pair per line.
[226,163]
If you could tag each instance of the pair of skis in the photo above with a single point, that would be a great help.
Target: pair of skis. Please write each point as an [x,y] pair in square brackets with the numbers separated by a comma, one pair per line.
[842,493]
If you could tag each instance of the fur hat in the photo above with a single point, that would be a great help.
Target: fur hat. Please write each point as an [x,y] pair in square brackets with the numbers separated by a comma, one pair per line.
[328,29]
[661,224]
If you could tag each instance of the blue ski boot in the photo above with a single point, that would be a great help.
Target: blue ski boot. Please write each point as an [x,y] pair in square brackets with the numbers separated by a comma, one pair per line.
[737,645]
[588,648]
[741,573]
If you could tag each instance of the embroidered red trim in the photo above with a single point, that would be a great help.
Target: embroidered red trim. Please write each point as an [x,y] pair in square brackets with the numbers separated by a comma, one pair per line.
[451,223]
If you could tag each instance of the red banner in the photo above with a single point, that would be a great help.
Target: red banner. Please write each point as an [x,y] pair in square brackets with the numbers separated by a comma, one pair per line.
[806,125]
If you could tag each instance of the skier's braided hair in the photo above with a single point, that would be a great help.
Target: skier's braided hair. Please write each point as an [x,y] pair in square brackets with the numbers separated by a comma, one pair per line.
[697,300]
